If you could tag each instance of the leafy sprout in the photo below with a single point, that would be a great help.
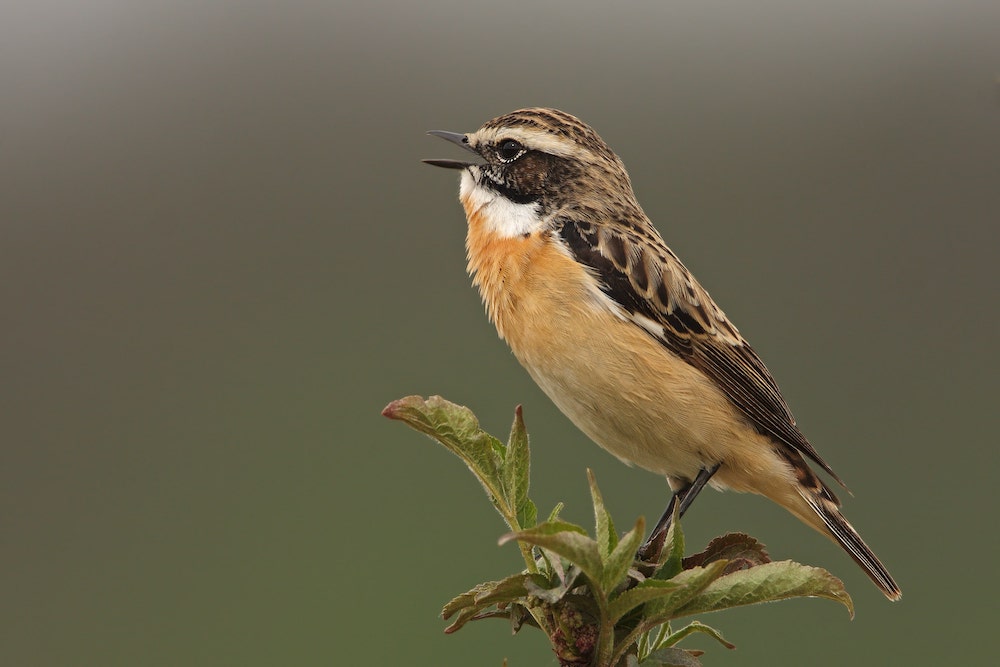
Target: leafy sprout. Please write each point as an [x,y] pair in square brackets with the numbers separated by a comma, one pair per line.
[597,604]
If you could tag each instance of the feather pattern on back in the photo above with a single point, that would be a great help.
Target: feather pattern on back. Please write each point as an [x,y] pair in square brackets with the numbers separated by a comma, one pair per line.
[641,274]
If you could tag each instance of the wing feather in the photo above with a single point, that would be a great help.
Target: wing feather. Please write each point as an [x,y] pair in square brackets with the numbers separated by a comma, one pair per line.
[643,276]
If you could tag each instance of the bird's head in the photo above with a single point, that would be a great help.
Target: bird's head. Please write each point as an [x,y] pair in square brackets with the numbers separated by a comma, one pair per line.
[538,161]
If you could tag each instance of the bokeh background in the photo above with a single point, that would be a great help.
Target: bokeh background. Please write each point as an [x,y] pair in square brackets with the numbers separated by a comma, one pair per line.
[220,258]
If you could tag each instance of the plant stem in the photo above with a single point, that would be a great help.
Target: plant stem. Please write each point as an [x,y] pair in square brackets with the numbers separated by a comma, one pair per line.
[606,634]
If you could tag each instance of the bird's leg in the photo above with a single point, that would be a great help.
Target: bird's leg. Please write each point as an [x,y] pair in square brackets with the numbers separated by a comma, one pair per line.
[694,488]
[685,496]
[651,549]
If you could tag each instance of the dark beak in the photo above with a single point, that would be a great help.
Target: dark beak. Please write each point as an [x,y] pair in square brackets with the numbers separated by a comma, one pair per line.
[455,138]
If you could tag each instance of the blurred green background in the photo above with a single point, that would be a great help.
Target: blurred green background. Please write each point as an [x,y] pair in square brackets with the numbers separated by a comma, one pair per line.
[220,258]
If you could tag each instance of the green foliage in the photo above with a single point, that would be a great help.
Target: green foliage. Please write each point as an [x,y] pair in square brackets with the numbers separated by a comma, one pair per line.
[597,604]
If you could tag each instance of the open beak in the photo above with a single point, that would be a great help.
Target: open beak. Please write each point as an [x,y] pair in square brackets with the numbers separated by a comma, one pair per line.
[455,138]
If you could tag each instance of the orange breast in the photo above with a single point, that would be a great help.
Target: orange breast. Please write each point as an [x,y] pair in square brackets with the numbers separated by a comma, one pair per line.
[522,280]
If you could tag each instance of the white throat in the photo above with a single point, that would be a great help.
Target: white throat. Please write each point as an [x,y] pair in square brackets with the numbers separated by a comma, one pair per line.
[502,216]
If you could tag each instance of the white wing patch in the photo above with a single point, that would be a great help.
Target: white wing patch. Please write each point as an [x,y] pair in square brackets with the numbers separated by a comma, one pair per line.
[502,216]
[649,325]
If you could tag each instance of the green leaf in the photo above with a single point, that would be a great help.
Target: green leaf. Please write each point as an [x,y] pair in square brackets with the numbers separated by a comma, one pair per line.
[648,590]
[566,540]
[470,604]
[693,627]
[519,616]
[527,514]
[671,657]
[516,471]
[607,538]
[656,611]
[621,559]
[554,514]
[547,528]
[492,592]
[563,583]
[692,582]
[514,613]
[464,601]
[463,617]
[674,547]
[455,427]
[765,583]
[662,609]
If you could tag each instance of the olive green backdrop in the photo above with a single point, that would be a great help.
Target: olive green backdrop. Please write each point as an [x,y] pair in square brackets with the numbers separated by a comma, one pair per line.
[220,258]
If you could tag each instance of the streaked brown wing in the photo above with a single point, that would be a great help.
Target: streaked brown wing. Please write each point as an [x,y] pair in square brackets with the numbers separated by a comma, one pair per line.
[643,276]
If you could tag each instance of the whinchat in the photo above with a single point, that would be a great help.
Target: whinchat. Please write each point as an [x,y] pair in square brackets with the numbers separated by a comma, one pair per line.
[619,334]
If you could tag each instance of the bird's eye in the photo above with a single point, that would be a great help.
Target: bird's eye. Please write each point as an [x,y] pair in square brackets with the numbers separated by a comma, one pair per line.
[509,150]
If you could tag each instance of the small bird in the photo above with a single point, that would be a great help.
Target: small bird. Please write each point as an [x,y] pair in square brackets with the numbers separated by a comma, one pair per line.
[619,334]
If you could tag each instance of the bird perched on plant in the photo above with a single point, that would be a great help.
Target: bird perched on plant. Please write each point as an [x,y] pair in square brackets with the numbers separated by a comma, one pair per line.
[619,334]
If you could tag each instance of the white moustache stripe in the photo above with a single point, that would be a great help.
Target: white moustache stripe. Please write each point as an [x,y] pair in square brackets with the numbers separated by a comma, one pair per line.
[502,216]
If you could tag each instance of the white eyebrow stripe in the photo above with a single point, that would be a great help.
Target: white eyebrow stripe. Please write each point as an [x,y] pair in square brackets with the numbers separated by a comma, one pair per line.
[532,139]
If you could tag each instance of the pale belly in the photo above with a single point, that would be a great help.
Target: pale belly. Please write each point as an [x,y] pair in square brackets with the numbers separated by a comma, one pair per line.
[633,397]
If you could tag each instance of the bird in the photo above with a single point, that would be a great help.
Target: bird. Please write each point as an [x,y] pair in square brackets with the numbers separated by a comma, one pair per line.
[618,333]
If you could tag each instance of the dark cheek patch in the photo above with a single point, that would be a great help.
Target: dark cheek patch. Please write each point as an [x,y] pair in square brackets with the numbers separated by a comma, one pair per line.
[534,177]
[530,174]
[523,181]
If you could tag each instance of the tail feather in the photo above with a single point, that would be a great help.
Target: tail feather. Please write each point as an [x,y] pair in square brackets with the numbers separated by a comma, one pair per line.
[827,519]
[843,532]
